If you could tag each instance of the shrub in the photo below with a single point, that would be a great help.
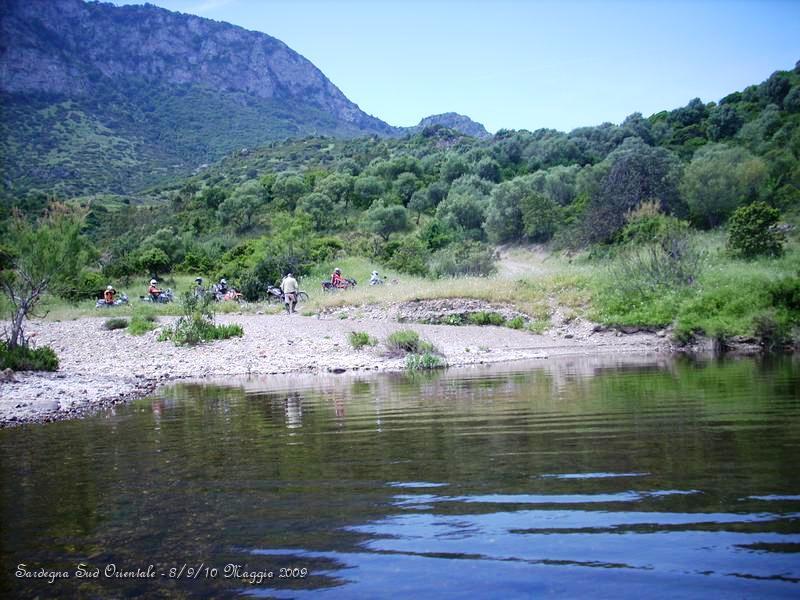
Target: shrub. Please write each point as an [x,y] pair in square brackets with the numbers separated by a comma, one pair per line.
[752,231]
[141,322]
[516,323]
[115,323]
[462,258]
[403,340]
[87,285]
[196,324]
[426,360]
[486,318]
[359,339]
[25,358]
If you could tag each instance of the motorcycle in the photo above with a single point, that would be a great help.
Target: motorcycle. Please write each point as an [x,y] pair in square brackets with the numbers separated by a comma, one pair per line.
[101,303]
[275,294]
[163,298]
[327,286]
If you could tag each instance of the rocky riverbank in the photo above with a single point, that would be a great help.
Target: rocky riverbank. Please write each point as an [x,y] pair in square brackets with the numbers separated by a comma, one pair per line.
[100,368]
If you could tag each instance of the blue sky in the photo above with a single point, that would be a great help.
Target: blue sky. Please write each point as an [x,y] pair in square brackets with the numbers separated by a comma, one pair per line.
[525,64]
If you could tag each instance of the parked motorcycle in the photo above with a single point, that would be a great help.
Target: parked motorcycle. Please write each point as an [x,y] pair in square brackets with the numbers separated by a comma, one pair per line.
[101,303]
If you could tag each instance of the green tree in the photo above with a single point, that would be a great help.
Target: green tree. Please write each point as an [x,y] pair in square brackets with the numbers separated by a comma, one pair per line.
[153,261]
[320,208]
[410,256]
[240,208]
[489,169]
[752,232]
[287,189]
[504,214]
[43,258]
[453,167]
[338,187]
[385,220]
[405,185]
[367,189]
[540,216]
[719,179]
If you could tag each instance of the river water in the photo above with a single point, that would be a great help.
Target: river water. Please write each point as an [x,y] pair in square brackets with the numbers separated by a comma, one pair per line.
[591,477]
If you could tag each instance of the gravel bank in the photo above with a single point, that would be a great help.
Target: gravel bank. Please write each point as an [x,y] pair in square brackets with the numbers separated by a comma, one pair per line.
[100,368]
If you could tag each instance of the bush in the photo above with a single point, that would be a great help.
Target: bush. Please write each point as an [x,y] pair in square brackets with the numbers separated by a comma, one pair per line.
[752,231]
[142,321]
[409,256]
[87,285]
[426,360]
[25,358]
[486,318]
[462,258]
[197,323]
[403,340]
[115,323]
[516,323]
[359,339]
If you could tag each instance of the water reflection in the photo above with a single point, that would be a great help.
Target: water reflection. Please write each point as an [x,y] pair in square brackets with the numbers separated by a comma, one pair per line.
[572,478]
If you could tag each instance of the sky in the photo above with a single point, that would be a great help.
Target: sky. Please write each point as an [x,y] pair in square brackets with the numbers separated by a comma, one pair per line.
[524,64]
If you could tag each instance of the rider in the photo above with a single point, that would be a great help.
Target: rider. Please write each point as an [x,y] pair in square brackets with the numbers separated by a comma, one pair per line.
[153,290]
[375,279]
[222,288]
[336,278]
[199,290]
[289,289]
[109,294]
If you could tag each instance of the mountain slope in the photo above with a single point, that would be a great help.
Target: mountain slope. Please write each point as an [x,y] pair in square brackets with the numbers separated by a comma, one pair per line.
[455,121]
[103,98]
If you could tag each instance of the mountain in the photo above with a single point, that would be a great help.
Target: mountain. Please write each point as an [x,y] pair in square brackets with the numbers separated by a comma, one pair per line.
[454,121]
[98,97]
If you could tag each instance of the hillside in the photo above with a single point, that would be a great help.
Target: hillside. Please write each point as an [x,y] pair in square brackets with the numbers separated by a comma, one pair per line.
[103,98]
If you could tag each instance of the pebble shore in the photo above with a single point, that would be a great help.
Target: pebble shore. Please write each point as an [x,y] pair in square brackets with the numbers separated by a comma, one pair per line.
[100,368]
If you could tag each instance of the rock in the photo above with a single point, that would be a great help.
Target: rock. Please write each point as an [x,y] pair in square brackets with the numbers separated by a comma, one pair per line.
[568,336]
[630,329]
[661,333]
[336,369]
[7,376]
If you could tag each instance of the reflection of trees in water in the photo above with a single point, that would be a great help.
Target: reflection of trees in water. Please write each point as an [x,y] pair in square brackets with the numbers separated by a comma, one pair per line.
[229,469]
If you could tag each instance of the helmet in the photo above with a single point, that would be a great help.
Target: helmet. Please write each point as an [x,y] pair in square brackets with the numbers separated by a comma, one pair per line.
[337,270]
[223,280]
[374,272]
[110,287]
[153,282]
[198,280]
[289,274]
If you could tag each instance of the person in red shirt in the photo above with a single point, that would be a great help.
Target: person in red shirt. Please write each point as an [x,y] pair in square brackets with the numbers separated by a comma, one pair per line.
[336,278]
[153,289]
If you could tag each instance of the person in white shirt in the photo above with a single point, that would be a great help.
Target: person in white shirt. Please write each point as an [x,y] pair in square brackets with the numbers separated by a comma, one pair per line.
[289,288]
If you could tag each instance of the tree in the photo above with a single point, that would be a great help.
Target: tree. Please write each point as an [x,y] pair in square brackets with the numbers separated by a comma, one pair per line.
[338,187]
[752,231]
[288,188]
[504,215]
[367,189]
[463,211]
[489,169]
[240,208]
[405,185]
[637,173]
[453,167]
[410,256]
[540,216]
[719,179]
[385,220]
[154,261]
[43,258]
[723,122]
[420,202]
[320,208]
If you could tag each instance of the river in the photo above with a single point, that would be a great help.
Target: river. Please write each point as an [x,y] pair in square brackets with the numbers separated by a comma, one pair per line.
[586,477]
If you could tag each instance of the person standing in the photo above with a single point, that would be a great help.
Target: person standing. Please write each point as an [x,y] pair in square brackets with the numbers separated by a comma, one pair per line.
[289,288]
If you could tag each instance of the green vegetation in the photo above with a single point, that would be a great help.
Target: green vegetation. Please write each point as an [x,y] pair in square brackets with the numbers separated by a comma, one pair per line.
[115,323]
[424,361]
[26,358]
[196,324]
[685,219]
[142,321]
[403,341]
[486,318]
[359,339]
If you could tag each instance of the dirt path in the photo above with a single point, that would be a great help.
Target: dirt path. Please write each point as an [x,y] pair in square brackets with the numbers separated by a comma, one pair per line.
[99,367]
